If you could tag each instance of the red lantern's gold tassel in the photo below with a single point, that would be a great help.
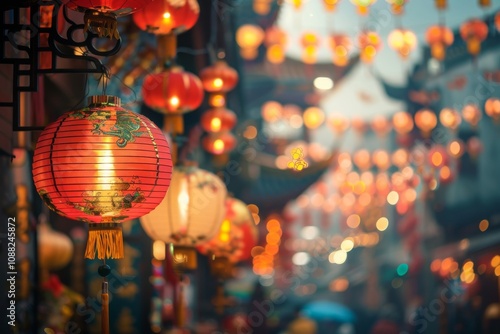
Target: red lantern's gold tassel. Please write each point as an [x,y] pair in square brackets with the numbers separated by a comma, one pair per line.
[173,123]
[107,239]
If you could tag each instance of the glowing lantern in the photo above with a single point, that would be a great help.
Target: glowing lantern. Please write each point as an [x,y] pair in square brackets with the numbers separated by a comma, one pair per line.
[484,3]
[492,108]
[341,46]
[402,122]
[219,143]
[275,41]
[497,21]
[100,15]
[249,37]
[330,5]
[262,7]
[358,125]
[338,123]
[369,43]
[426,121]
[271,111]
[439,37]
[190,213]
[456,148]
[403,41]
[471,114]
[381,159]
[313,117]
[219,78]
[474,147]
[102,164]
[172,92]
[438,156]
[450,118]
[381,125]
[310,43]
[363,5]
[296,3]
[441,4]
[236,237]
[163,17]
[218,120]
[473,32]
[362,159]
[397,6]
[55,249]
[400,158]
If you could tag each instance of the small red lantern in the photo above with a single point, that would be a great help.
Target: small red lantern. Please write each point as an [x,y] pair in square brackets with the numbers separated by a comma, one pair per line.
[473,32]
[381,125]
[363,6]
[102,164]
[439,37]
[162,17]
[369,43]
[438,156]
[275,42]
[426,121]
[474,147]
[472,114]
[397,6]
[403,41]
[218,120]
[219,144]
[310,43]
[341,46]
[497,21]
[450,118]
[249,37]
[441,4]
[100,15]
[492,108]
[219,78]
[402,122]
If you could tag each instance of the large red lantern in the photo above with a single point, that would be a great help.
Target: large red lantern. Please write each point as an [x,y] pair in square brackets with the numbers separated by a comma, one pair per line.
[218,120]
[439,37]
[173,92]
[100,15]
[474,32]
[219,143]
[219,78]
[163,17]
[102,165]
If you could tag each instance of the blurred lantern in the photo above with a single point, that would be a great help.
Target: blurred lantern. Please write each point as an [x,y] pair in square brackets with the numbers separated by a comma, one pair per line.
[163,17]
[446,175]
[102,164]
[381,125]
[474,32]
[456,148]
[249,37]
[369,43]
[358,125]
[219,143]
[338,123]
[313,117]
[172,92]
[438,157]
[474,147]
[450,118]
[471,114]
[55,249]
[363,5]
[262,7]
[397,6]
[341,46]
[400,158]
[234,241]
[403,41]
[218,120]
[381,159]
[100,15]
[275,41]
[439,37]
[497,21]
[330,5]
[484,3]
[219,77]
[195,216]
[402,122]
[310,43]
[492,108]
[236,323]
[271,111]
[362,159]
[426,121]
[441,4]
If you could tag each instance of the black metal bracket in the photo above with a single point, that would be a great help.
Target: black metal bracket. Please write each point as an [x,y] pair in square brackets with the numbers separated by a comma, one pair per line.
[28,34]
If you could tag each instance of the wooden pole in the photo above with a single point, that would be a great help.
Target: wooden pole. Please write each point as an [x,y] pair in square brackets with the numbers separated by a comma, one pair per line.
[105,308]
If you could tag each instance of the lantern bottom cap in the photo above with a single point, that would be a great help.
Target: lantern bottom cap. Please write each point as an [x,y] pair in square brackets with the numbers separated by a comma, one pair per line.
[106,239]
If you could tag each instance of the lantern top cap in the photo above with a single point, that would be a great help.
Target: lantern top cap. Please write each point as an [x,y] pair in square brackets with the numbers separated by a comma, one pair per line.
[104,99]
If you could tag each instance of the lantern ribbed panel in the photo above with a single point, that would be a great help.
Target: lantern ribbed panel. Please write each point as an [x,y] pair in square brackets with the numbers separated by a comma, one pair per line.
[172,91]
[236,236]
[219,77]
[160,17]
[191,212]
[118,7]
[102,164]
